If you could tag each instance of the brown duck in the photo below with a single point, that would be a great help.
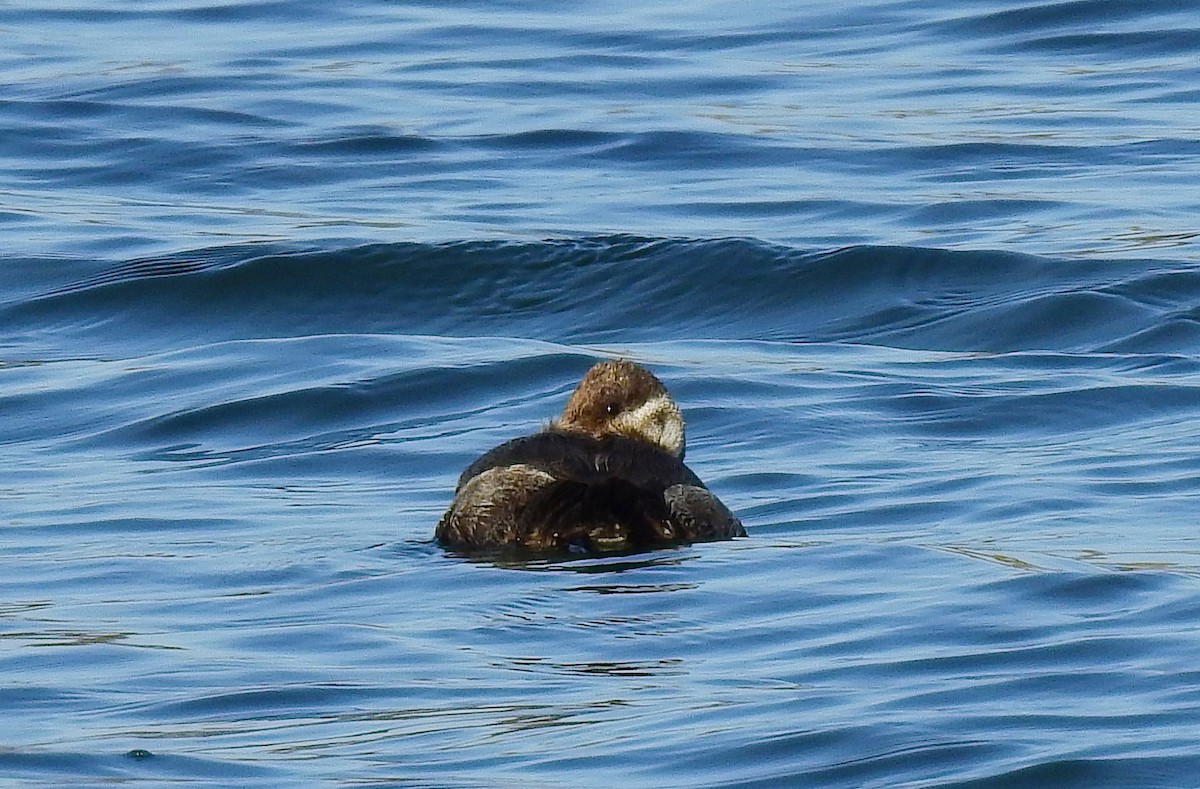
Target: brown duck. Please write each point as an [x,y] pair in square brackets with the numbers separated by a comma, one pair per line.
[607,475]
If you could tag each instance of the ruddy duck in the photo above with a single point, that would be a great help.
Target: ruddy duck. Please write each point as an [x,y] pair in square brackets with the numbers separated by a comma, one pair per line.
[607,475]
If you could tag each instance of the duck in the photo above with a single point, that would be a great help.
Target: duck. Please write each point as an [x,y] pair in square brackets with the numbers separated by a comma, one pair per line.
[606,475]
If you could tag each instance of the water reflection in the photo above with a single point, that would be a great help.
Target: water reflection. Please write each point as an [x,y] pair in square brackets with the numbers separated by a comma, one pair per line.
[613,668]
[635,588]
[613,563]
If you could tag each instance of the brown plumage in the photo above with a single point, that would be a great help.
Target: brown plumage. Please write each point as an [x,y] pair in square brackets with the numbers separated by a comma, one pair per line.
[607,475]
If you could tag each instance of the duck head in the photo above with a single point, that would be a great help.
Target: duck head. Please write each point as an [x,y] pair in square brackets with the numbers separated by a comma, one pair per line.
[617,397]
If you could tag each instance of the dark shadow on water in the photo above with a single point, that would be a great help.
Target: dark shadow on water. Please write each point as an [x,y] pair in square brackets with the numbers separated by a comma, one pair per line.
[615,562]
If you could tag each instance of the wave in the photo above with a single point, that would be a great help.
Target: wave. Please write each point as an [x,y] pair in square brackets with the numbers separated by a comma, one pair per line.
[635,289]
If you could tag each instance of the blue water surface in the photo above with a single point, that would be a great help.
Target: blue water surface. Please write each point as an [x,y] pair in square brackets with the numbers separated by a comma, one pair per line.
[924,278]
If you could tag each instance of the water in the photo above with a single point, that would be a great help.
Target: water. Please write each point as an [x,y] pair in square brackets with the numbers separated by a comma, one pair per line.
[922,277]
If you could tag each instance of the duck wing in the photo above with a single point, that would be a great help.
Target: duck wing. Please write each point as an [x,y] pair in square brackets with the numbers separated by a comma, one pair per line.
[555,490]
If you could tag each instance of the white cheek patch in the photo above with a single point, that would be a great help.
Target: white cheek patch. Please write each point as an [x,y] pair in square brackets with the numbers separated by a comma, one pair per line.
[671,438]
[657,420]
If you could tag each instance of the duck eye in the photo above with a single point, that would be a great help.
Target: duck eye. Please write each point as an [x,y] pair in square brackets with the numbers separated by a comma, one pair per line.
[612,409]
